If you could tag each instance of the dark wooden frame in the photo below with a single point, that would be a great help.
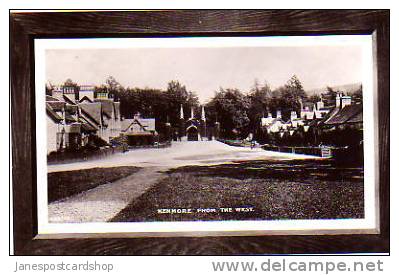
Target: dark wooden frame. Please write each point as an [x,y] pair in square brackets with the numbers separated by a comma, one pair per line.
[24,27]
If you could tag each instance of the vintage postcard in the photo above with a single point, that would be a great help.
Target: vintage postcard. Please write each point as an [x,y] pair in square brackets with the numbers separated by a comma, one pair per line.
[206,135]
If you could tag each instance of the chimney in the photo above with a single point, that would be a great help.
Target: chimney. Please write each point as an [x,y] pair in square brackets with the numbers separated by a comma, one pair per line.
[103,94]
[269,115]
[338,100]
[278,115]
[57,92]
[192,112]
[320,104]
[69,92]
[346,100]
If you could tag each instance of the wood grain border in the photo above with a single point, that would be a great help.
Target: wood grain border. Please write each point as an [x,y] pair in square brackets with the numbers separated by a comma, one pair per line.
[25,26]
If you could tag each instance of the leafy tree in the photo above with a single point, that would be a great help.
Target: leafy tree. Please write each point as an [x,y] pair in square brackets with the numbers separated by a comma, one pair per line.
[357,95]
[230,107]
[259,99]
[69,82]
[314,98]
[113,87]
[176,95]
[290,96]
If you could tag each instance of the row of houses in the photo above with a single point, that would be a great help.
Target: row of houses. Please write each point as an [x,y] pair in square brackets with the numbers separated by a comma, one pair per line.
[344,113]
[79,117]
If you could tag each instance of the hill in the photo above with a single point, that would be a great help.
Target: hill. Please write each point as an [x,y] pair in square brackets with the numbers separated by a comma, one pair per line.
[347,88]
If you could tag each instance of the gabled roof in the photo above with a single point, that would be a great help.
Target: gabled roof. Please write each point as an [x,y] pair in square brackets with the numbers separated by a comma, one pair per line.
[358,118]
[125,124]
[90,124]
[71,108]
[93,110]
[88,128]
[147,124]
[52,114]
[107,106]
[67,99]
[329,115]
[85,98]
[56,105]
[70,118]
[51,98]
[345,114]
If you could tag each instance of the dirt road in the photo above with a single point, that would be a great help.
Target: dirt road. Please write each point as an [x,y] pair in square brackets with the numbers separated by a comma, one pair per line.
[105,201]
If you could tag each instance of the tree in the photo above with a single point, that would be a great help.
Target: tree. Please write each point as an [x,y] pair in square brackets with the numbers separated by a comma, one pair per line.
[259,99]
[113,87]
[314,98]
[290,95]
[176,95]
[357,95]
[230,107]
[69,83]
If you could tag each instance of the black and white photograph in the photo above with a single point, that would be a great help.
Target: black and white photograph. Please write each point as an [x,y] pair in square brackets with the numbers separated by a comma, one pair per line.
[151,133]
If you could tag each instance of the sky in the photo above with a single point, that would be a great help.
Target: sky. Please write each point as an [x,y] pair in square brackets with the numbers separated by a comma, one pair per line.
[204,70]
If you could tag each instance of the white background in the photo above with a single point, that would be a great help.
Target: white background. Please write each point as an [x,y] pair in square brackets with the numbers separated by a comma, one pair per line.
[194,265]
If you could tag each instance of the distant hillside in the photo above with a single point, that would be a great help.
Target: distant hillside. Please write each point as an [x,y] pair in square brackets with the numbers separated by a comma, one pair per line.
[347,88]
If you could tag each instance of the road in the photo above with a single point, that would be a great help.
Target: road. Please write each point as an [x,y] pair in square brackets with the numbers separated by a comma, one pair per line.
[179,154]
[105,201]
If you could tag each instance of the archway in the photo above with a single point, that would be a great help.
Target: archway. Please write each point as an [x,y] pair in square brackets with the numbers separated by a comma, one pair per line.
[192,133]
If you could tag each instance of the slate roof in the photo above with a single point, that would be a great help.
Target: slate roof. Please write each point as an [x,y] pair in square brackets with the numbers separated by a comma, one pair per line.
[71,108]
[88,124]
[67,99]
[125,124]
[329,115]
[70,118]
[107,106]
[56,105]
[346,114]
[88,128]
[148,124]
[93,110]
[85,98]
[358,118]
[51,98]
[52,114]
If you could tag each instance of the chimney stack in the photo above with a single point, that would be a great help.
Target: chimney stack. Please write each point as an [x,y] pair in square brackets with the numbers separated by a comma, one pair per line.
[346,100]
[338,100]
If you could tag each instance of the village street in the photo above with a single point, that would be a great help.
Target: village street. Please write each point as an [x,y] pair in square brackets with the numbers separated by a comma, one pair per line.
[179,154]
[105,201]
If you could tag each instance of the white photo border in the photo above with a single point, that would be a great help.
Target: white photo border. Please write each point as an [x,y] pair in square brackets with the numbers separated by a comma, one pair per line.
[368,225]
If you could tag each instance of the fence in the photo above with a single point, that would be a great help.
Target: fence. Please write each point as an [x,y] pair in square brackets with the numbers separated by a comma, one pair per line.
[73,156]
[325,152]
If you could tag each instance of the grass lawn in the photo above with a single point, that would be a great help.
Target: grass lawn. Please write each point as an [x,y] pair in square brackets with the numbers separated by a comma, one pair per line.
[65,184]
[297,189]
